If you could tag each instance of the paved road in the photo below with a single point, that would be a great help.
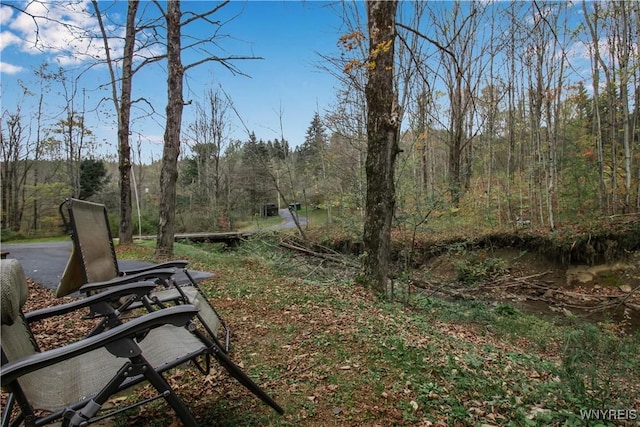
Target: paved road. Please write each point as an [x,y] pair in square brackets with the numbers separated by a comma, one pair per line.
[45,262]
[288,221]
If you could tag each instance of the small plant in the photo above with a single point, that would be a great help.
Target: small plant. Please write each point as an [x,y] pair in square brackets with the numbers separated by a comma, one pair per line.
[478,268]
[506,310]
[593,360]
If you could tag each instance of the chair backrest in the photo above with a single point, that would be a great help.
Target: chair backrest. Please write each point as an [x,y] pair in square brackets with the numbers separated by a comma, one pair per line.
[72,378]
[93,258]
[15,337]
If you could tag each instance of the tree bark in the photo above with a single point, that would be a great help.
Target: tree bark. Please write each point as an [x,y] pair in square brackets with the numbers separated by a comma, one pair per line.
[171,151]
[382,144]
[124,118]
[123,110]
[624,53]
[594,51]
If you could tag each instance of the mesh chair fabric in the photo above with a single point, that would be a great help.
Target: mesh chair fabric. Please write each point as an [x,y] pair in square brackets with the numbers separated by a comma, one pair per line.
[92,234]
[83,376]
[13,290]
[205,312]
[73,276]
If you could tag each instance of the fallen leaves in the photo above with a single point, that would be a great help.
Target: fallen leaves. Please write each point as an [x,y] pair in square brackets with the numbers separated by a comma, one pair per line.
[332,353]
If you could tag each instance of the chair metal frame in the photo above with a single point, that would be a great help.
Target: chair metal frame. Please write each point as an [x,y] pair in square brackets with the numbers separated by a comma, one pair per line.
[93,267]
[122,341]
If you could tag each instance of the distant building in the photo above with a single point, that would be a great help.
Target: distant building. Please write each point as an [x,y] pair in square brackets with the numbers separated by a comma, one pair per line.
[269,209]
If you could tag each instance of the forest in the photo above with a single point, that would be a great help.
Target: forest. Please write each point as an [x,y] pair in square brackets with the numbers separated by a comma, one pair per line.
[471,254]
[510,111]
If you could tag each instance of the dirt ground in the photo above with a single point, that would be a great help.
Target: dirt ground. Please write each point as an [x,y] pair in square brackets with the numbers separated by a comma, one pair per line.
[307,345]
[603,293]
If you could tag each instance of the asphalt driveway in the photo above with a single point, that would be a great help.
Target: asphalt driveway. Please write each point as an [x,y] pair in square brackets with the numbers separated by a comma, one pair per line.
[44,263]
[288,221]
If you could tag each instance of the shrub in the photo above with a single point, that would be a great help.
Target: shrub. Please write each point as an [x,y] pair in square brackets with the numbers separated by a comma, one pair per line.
[478,268]
[7,235]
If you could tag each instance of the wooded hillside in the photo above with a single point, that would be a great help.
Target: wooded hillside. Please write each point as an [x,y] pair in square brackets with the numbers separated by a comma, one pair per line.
[512,113]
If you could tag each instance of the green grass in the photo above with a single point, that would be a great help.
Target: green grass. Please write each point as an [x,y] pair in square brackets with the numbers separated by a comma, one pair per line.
[257,222]
[19,238]
[322,345]
[315,216]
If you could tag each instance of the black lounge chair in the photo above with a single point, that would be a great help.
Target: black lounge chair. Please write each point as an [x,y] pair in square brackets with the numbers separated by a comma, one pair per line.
[93,267]
[71,383]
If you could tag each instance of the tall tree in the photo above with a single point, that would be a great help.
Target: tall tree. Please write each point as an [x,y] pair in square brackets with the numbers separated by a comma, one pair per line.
[624,36]
[312,160]
[175,103]
[348,121]
[382,143]
[311,153]
[123,109]
[209,134]
[77,140]
[44,78]
[15,165]
[459,32]
[256,174]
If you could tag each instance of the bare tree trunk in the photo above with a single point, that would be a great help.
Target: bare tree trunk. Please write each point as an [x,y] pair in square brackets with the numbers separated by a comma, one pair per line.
[124,118]
[13,173]
[171,151]
[422,136]
[455,141]
[610,78]
[597,125]
[553,124]
[511,116]
[123,110]
[490,119]
[38,148]
[382,133]
[635,123]
[624,52]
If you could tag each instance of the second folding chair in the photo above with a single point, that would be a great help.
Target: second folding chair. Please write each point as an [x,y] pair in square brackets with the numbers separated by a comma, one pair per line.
[72,382]
[93,267]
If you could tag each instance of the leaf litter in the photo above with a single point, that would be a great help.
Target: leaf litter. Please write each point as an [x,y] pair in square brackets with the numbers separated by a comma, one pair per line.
[335,354]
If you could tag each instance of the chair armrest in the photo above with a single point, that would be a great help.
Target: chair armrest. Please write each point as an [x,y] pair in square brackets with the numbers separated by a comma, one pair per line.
[139,288]
[181,264]
[178,316]
[162,274]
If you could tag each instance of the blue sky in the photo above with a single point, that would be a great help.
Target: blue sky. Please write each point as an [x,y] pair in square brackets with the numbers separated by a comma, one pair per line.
[287,84]
[287,34]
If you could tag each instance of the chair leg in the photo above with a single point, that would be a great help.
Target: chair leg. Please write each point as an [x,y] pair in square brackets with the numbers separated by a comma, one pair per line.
[244,379]
[8,409]
[91,408]
[26,413]
[136,365]
[161,385]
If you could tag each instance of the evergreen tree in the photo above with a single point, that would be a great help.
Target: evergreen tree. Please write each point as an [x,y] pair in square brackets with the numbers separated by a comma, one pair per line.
[310,160]
[93,177]
[315,140]
[256,182]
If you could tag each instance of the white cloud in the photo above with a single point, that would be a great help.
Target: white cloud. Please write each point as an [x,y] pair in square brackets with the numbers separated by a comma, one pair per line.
[578,50]
[7,39]
[5,15]
[6,68]
[67,31]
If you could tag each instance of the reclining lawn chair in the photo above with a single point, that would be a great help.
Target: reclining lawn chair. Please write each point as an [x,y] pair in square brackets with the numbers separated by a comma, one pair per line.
[93,267]
[71,383]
